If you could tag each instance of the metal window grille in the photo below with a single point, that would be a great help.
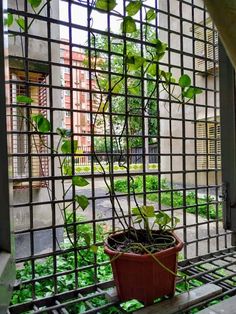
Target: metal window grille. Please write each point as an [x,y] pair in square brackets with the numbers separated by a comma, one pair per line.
[182,189]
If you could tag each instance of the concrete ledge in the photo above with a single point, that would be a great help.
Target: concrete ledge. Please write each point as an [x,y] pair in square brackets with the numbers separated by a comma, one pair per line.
[227,307]
[182,301]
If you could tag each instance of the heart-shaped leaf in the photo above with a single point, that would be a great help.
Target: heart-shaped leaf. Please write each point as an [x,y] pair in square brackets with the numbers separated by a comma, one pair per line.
[35,3]
[150,15]
[133,7]
[128,25]
[42,123]
[82,200]
[184,81]
[79,181]
[9,20]
[21,22]
[67,148]
[105,5]
[191,92]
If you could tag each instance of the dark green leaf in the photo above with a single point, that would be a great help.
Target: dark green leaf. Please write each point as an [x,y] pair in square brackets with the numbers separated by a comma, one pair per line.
[62,132]
[105,5]
[35,3]
[42,123]
[24,99]
[133,7]
[128,25]
[150,15]
[135,62]
[9,20]
[79,181]
[160,49]
[21,22]
[67,148]
[184,81]
[82,200]
[191,92]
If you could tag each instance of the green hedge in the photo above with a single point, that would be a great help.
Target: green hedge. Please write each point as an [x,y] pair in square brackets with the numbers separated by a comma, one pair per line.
[205,207]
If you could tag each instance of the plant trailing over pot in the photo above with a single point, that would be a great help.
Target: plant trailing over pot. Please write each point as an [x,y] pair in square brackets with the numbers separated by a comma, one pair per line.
[143,251]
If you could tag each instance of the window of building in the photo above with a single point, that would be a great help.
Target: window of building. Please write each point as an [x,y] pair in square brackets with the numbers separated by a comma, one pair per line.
[206,46]
[20,131]
[208,145]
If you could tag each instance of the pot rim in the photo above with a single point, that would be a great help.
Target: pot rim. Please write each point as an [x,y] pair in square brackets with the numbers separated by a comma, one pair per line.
[163,253]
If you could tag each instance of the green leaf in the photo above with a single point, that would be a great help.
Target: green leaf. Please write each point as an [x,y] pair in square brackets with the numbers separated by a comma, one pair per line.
[135,62]
[133,7]
[148,211]
[128,25]
[191,92]
[94,248]
[82,200]
[150,15]
[162,219]
[35,3]
[63,132]
[167,76]
[106,5]
[21,22]
[66,146]
[152,69]
[42,123]
[176,221]
[87,238]
[24,99]
[136,211]
[184,81]
[9,20]
[79,181]
[160,49]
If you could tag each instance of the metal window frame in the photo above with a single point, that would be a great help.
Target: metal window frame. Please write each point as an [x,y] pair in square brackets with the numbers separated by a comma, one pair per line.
[60,300]
[228,138]
[7,265]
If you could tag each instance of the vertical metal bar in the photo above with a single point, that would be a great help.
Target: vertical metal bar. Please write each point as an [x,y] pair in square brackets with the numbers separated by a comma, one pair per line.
[183,135]
[52,143]
[195,138]
[5,230]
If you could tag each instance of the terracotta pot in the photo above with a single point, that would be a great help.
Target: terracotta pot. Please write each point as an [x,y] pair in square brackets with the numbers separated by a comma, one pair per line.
[141,277]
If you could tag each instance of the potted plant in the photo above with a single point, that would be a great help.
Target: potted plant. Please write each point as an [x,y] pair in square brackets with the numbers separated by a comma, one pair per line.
[144,261]
[144,253]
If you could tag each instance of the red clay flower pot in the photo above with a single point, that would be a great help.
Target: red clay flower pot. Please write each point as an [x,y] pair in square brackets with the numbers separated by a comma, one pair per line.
[141,277]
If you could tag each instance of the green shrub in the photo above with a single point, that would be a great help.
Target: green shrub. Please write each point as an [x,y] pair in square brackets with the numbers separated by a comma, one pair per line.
[203,206]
